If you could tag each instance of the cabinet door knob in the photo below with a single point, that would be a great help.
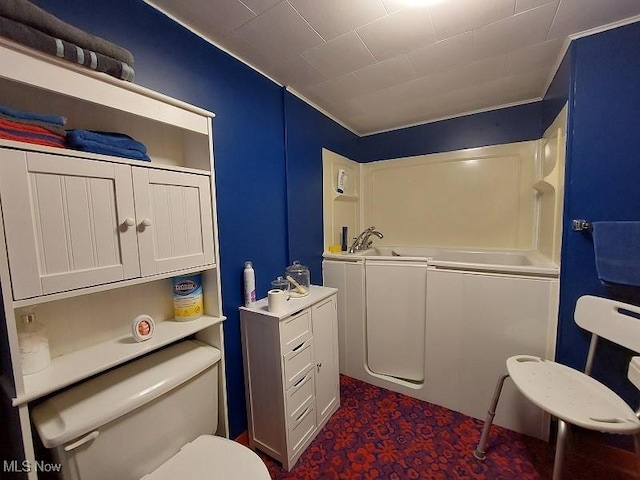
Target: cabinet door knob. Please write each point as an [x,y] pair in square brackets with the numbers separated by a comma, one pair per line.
[146,222]
[128,222]
[318,365]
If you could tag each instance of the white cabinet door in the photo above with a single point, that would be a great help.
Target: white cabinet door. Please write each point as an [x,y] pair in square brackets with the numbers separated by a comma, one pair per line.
[325,337]
[66,222]
[396,314]
[173,211]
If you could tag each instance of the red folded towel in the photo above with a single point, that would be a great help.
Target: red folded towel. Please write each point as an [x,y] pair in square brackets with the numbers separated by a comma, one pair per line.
[12,130]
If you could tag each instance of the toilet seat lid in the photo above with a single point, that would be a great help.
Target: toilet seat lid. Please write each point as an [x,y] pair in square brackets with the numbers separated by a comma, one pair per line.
[209,458]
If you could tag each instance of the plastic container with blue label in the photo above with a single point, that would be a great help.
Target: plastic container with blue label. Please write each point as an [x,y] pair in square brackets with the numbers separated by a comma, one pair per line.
[187,297]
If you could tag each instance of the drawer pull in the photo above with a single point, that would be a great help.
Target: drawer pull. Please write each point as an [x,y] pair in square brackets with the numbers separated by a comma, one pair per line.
[298,347]
[294,314]
[303,414]
[300,381]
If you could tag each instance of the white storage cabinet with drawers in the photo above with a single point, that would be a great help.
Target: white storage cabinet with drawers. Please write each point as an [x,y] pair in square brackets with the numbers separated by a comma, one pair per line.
[291,372]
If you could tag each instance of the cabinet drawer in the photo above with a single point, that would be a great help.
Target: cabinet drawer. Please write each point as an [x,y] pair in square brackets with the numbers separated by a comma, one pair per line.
[299,396]
[295,330]
[297,362]
[301,431]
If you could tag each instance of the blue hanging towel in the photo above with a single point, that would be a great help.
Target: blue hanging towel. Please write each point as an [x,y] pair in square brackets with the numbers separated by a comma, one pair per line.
[617,248]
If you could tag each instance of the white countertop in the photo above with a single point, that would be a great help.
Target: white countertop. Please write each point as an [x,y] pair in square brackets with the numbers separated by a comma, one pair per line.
[316,294]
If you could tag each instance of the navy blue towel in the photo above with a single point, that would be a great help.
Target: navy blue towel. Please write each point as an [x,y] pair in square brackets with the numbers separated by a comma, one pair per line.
[107,143]
[54,119]
[617,247]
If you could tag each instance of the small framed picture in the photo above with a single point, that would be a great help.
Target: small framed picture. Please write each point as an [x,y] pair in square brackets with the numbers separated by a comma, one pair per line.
[142,328]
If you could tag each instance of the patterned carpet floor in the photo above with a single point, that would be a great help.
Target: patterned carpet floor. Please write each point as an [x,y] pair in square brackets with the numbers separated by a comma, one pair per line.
[379,434]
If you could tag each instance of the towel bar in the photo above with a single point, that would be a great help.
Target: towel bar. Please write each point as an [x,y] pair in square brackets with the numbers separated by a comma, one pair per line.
[579,225]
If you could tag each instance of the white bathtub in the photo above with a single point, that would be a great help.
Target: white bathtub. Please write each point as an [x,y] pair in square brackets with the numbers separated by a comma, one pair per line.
[438,323]
[525,262]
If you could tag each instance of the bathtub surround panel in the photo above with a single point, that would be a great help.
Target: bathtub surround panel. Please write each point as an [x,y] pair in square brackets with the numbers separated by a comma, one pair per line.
[340,209]
[480,197]
[550,187]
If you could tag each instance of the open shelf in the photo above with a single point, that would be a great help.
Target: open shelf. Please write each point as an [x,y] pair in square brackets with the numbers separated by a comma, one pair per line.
[32,147]
[72,367]
[97,88]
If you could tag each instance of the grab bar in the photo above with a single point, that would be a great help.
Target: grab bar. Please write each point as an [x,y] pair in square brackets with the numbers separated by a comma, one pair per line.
[580,225]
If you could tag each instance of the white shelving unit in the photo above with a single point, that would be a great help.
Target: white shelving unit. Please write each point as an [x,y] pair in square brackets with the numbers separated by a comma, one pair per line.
[81,364]
[88,317]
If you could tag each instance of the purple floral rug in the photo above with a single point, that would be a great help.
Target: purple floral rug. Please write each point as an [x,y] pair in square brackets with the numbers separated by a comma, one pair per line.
[379,434]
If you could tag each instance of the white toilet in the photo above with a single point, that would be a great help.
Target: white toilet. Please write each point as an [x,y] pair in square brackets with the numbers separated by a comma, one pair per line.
[152,418]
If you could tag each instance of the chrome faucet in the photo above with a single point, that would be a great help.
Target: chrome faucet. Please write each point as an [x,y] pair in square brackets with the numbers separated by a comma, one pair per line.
[362,242]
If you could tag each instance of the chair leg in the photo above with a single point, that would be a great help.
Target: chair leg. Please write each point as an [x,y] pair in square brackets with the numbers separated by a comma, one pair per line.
[560,443]
[479,452]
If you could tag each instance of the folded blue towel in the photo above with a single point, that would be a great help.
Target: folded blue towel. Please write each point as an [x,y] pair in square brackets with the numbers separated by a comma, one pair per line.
[617,247]
[56,120]
[107,143]
[116,140]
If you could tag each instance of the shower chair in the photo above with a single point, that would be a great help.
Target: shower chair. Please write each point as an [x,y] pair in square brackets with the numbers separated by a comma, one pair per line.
[573,397]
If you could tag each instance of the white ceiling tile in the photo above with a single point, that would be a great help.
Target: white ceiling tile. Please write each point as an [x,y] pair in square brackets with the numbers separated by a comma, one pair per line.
[513,33]
[260,6]
[297,73]
[246,51]
[542,56]
[578,15]
[432,62]
[523,5]
[443,55]
[393,5]
[213,19]
[398,33]
[393,71]
[455,17]
[468,75]
[332,18]
[280,33]
[335,90]
[514,88]
[341,55]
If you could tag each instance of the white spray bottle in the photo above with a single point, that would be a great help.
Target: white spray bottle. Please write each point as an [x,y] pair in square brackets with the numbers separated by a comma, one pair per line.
[249,285]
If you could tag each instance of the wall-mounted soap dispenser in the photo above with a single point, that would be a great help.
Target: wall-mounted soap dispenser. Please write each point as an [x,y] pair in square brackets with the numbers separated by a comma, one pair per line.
[342,181]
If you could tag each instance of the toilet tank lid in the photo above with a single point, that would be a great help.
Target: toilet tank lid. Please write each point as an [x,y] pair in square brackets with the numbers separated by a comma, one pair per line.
[98,401]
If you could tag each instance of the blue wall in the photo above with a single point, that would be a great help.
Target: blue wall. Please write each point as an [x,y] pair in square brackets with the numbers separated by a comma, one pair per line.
[603,170]
[307,132]
[505,125]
